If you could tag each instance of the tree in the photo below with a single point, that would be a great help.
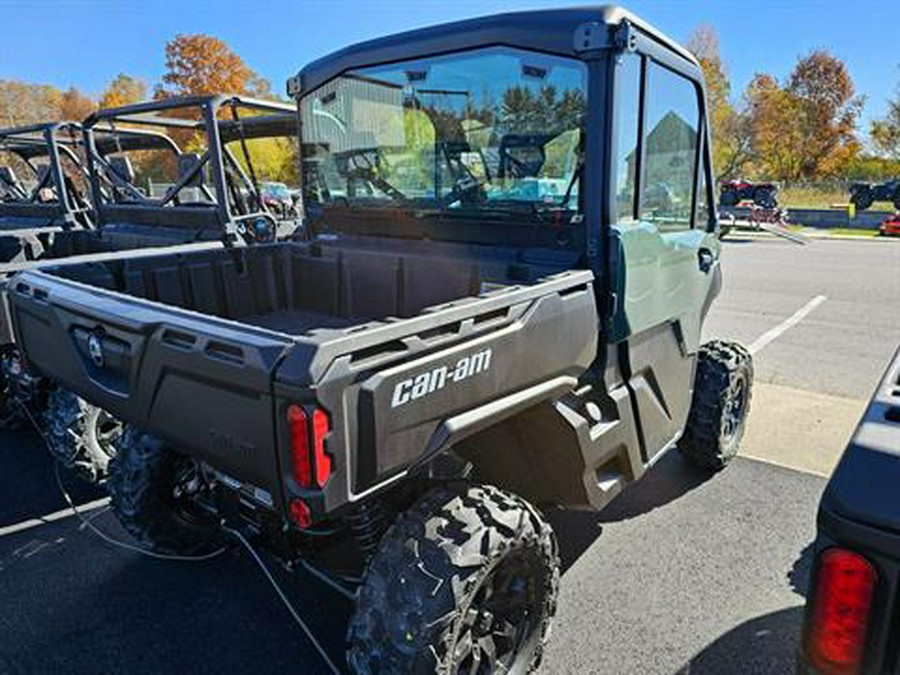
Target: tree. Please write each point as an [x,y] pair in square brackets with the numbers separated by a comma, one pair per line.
[885,132]
[202,64]
[74,105]
[730,129]
[828,109]
[775,129]
[25,103]
[123,90]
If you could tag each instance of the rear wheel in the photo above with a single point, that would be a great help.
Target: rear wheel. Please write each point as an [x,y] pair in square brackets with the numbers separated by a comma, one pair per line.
[81,435]
[719,408]
[465,582]
[862,198]
[153,492]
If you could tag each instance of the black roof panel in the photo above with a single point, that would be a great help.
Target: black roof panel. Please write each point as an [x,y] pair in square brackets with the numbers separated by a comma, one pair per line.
[548,30]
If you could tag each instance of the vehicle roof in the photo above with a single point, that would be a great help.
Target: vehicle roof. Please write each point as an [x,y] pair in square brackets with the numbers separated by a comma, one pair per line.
[149,112]
[548,30]
[28,141]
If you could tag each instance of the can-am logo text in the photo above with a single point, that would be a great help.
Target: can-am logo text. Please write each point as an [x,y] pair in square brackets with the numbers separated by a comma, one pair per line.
[437,378]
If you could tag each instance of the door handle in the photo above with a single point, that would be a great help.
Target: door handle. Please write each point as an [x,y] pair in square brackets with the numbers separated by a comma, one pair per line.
[705,260]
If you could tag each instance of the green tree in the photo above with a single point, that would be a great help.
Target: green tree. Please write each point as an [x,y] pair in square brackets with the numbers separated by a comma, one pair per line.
[885,132]
[730,126]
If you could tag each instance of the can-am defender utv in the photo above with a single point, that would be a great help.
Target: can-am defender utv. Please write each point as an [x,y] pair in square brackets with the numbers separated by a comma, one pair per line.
[495,311]
[211,200]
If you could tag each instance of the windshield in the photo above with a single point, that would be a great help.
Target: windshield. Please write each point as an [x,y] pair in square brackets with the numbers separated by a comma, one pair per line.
[276,190]
[485,129]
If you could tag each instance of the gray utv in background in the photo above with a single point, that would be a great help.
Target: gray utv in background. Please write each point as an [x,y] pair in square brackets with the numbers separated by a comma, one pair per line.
[493,313]
[212,203]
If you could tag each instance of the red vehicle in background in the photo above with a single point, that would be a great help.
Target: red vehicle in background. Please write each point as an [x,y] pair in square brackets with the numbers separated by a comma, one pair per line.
[891,226]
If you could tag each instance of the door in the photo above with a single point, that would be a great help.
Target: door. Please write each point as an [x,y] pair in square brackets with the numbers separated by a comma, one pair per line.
[664,247]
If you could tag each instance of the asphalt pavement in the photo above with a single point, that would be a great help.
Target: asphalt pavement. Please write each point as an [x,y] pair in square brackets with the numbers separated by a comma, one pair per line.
[681,574]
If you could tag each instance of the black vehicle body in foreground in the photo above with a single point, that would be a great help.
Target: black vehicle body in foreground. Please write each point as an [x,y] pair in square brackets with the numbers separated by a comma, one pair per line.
[494,310]
[852,625]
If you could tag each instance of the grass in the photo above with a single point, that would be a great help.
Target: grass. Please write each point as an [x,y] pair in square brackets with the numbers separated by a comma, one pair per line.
[811,197]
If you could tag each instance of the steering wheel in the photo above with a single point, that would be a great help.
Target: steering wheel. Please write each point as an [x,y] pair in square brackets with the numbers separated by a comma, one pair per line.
[257,228]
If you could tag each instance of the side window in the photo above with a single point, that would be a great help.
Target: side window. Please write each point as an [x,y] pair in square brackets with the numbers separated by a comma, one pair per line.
[628,82]
[673,120]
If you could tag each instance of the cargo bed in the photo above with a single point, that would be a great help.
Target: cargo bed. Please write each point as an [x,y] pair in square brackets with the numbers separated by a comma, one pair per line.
[208,349]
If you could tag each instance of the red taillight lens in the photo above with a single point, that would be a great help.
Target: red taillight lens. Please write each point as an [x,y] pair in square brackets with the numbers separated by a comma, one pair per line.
[306,456]
[300,513]
[836,629]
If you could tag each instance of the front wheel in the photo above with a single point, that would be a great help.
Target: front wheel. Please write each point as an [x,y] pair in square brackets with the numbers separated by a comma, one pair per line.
[721,402]
[153,492]
[465,582]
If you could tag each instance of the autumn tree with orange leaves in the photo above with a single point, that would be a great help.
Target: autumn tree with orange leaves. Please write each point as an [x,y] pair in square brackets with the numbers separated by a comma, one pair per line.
[202,64]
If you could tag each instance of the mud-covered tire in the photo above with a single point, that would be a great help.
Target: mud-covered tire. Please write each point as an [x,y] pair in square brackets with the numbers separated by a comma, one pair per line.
[425,600]
[143,476]
[722,389]
[80,435]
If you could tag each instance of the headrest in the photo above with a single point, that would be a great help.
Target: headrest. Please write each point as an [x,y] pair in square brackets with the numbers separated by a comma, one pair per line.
[187,162]
[121,165]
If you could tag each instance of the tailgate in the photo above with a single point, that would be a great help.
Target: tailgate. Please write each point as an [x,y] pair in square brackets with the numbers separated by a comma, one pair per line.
[201,383]
[400,392]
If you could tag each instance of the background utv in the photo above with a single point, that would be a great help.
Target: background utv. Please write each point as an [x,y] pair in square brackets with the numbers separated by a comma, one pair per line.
[493,311]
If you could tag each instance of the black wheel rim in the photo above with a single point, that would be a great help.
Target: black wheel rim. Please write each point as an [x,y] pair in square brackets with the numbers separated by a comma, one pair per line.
[501,626]
[734,410]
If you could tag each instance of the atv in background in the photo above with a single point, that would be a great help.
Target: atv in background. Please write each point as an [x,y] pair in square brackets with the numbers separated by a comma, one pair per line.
[467,336]
[211,202]
[733,192]
[854,592]
[863,195]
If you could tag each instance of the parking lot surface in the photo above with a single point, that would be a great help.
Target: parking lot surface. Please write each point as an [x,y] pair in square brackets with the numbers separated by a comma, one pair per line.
[682,574]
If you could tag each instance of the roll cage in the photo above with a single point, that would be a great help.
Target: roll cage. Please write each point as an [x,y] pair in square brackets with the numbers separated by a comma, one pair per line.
[45,150]
[229,193]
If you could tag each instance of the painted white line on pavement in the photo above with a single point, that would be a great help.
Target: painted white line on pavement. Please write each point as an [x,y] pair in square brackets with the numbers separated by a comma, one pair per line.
[786,325]
[51,517]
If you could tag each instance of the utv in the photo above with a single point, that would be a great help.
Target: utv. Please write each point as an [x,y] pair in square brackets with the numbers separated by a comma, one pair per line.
[851,616]
[34,161]
[863,195]
[489,316]
[127,223]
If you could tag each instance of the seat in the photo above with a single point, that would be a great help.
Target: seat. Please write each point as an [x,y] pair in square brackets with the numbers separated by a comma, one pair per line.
[121,166]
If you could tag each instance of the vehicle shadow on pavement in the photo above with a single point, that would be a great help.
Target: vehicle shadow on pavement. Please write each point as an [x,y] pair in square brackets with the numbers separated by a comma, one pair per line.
[670,478]
[761,646]
[30,488]
[798,575]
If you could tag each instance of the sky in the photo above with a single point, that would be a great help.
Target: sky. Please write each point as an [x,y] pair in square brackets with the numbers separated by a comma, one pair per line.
[88,42]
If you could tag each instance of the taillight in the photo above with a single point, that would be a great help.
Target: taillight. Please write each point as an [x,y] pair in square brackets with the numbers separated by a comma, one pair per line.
[307,436]
[836,629]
